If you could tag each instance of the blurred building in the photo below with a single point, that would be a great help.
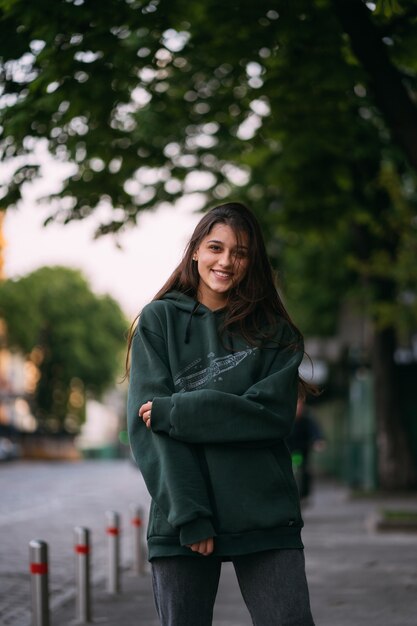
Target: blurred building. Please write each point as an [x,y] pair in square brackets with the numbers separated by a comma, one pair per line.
[342,366]
[16,384]
[17,376]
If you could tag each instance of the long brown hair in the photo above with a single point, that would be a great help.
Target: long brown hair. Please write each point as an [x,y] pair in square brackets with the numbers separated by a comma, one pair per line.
[254,304]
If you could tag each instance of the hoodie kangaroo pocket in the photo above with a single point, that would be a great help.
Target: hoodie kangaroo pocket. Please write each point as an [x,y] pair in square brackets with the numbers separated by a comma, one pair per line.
[250,490]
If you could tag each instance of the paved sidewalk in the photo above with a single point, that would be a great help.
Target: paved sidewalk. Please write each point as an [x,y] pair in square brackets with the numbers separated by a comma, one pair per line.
[357,577]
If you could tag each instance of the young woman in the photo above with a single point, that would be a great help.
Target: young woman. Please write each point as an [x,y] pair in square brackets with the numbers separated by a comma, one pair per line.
[212,396]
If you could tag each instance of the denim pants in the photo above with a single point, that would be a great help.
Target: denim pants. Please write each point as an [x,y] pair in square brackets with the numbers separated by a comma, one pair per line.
[273,586]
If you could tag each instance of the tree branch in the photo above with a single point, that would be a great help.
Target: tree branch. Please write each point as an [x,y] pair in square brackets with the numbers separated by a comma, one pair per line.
[390,94]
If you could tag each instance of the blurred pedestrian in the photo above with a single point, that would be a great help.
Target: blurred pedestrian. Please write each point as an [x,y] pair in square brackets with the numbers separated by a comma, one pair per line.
[306,436]
[212,395]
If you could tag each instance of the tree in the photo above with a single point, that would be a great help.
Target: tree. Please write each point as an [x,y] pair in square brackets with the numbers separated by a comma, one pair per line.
[285,106]
[74,337]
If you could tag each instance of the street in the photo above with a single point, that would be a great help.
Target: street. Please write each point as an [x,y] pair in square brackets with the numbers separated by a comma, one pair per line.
[46,501]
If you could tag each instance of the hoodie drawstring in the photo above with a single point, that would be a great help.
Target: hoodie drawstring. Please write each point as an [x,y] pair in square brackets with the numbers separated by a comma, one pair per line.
[188,329]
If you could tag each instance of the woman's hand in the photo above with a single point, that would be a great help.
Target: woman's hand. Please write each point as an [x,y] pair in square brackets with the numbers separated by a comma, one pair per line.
[204,547]
[145,413]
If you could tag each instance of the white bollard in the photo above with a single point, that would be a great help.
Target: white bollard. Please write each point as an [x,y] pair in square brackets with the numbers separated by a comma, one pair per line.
[138,545]
[113,543]
[38,557]
[82,575]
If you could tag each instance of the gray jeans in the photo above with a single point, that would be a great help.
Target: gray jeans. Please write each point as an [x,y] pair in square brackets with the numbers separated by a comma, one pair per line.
[273,586]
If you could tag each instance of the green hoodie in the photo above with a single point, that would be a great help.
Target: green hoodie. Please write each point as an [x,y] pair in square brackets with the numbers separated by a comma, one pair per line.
[215,461]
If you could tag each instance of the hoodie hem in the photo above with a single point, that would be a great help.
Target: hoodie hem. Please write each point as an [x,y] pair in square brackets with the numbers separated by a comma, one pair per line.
[227,546]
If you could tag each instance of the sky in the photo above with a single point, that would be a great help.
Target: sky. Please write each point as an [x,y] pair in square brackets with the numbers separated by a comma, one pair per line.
[131,274]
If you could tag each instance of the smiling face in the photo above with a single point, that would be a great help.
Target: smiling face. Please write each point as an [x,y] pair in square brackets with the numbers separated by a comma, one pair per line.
[222,260]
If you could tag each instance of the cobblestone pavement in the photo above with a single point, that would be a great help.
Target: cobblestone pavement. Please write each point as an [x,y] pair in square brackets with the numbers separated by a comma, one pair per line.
[46,501]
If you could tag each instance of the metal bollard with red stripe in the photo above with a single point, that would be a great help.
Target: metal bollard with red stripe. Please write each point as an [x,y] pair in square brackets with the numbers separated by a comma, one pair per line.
[113,542]
[138,546]
[82,575]
[38,557]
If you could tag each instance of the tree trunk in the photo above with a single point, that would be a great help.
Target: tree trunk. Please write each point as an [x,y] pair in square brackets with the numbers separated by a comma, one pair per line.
[396,468]
[391,95]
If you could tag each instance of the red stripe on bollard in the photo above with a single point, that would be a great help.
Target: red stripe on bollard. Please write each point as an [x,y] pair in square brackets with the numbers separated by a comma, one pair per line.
[113,530]
[82,549]
[38,568]
[136,521]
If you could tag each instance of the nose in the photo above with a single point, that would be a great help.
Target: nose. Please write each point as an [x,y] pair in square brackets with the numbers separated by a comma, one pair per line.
[225,258]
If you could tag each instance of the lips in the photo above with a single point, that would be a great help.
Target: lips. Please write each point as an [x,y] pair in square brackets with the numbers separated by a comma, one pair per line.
[222,275]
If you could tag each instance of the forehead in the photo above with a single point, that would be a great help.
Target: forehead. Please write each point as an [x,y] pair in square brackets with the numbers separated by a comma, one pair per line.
[228,236]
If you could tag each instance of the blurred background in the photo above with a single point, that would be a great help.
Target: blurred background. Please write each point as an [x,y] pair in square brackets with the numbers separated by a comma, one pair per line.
[121,120]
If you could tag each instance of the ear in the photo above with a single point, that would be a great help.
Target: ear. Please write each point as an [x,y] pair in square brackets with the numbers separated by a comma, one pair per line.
[195,257]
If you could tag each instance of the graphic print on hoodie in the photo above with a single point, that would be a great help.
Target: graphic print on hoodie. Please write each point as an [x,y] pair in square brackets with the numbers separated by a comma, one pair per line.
[193,377]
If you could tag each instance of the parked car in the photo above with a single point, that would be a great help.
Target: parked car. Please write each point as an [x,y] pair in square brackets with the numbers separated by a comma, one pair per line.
[8,449]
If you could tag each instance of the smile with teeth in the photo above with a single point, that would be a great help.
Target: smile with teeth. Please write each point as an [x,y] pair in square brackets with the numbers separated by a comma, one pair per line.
[222,275]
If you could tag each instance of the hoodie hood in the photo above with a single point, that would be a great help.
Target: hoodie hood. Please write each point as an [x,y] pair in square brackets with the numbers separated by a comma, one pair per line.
[188,305]
[185,303]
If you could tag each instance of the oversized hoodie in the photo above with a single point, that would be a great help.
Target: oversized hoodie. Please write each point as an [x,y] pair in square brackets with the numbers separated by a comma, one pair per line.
[214,461]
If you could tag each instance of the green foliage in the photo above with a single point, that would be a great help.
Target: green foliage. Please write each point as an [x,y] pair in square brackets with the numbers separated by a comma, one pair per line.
[269,103]
[73,336]
[318,314]
[388,8]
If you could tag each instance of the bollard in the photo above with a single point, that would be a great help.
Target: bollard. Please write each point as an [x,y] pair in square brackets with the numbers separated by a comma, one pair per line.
[38,556]
[113,534]
[82,575]
[138,548]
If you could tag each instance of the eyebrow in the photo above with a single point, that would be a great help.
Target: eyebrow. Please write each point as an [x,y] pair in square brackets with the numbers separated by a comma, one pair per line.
[222,243]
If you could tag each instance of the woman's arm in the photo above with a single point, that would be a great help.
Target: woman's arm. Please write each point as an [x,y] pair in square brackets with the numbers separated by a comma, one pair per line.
[171,469]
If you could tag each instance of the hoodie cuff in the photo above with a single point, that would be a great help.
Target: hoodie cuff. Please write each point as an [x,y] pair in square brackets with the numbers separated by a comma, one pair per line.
[160,414]
[196,530]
